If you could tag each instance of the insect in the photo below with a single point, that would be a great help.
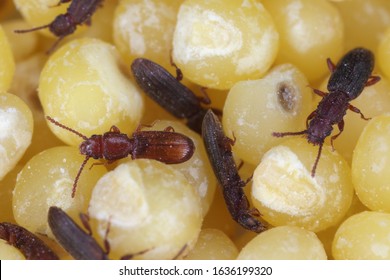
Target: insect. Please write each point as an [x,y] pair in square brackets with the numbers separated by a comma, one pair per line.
[28,243]
[79,12]
[348,79]
[80,244]
[166,146]
[167,91]
[218,148]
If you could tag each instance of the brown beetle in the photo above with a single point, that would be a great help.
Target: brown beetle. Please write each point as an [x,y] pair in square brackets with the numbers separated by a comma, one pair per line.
[218,148]
[79,12]
[28,243]
[347,81]
[166,146]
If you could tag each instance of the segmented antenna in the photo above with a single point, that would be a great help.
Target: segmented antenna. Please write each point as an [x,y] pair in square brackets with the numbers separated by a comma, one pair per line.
[31,29]
[78,176]
[282,134]
[313,171]
[67,128]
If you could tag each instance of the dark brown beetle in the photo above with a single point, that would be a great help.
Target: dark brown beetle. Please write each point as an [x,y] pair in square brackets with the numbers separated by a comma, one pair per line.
[28,243]
[219,151]
[347,81]
[80,244]
[169,93]
[166,146]
[79,12]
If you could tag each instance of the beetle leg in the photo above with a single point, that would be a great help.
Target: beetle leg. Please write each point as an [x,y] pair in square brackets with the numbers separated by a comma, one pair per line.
[84,218]
[254,212]
[331,65]
[248,180]
[140,126]
[319,92]
[169,129]
[49,51]
[179,74]
[60,2]
[181,251]
[101,163]
[106,243]
[115,129]
[130,256]
[372,80]
[312,115]
[340,125]
[356,110]
[205,99]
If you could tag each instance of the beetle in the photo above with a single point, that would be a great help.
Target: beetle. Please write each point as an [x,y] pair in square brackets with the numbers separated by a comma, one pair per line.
[80,244]
[79,12]
[166,146]
[169,93]
[219,152]
[32,247]
[348,79]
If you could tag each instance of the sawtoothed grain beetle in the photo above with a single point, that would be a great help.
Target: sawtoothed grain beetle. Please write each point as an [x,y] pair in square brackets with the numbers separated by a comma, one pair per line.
[169,92]
[348,79]
[218,148]
[79,12]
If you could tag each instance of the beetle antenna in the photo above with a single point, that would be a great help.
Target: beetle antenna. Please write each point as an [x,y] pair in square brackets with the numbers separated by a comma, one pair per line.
[282,134]
[67,128]
[52,48]
[31,29]
[78,175]
[313,171]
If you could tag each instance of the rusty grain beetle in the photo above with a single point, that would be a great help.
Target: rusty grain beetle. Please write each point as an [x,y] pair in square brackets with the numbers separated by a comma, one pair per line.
[166,146]
[348,79]
[218,148]
[32,247]
[79,12]
[169,93]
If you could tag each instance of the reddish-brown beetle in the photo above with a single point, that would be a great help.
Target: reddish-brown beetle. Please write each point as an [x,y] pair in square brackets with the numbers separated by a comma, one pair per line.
[166,146]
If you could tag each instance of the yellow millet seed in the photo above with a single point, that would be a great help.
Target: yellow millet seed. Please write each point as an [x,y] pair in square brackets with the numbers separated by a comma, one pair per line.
[83,87]
[218,43]
[364,236]
[280,101]
[213,244]
[150,208]
[371,164]
[47,180]
[16,126]
[284,243]
[285,193]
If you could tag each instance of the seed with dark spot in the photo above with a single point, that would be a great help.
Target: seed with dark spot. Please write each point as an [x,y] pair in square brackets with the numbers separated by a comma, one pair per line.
[286,96]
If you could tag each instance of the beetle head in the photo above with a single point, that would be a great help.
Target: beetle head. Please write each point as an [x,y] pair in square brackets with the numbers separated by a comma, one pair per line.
[62,26]
[318,130]
[92,147]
